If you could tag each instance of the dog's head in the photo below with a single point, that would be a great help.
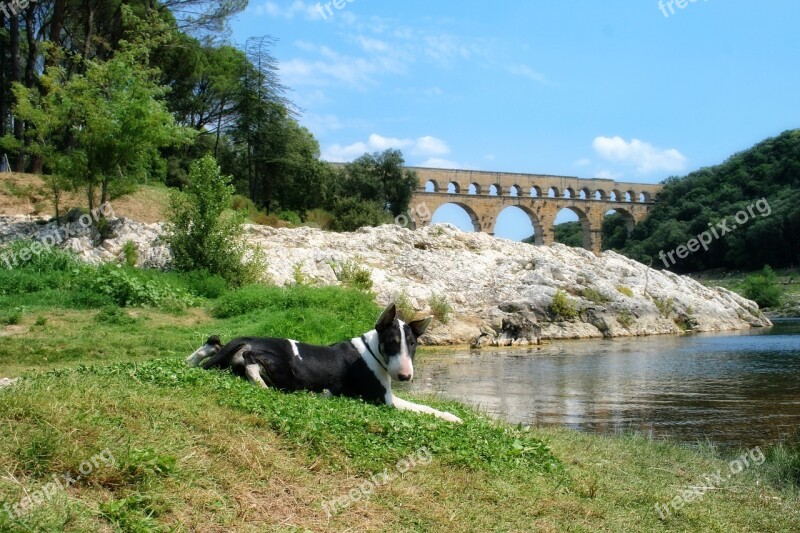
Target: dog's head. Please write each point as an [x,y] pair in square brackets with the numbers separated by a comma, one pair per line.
[398,342]
[211,347]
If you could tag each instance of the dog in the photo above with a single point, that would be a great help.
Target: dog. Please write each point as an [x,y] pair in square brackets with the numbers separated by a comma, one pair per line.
[362,367]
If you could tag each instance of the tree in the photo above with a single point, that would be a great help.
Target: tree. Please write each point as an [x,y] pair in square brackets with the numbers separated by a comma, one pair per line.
[204,235]
[102,129]
[382,178]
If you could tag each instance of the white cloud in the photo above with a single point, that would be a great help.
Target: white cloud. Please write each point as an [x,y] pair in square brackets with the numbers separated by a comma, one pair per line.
[289,11]
[422,146]
[644,156]
[431,146]
[583,162]
[527,72]
[436,162]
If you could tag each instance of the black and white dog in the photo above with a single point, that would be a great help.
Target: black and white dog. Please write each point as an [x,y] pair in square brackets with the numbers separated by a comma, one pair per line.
[362,367]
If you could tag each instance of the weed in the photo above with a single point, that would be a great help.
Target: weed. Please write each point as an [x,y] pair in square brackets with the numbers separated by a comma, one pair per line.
[131,253]
[562,308]
[625,291]
[440,308]
[595,296]
[405,309]
[352,274]
[625,318]
[665,306]
[12,317]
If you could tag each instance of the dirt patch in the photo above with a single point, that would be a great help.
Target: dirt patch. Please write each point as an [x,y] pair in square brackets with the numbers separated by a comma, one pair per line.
[27,194]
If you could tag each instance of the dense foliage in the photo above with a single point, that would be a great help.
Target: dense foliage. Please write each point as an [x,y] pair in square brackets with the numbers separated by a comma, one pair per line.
[103,95]
[202,236]
[769,172]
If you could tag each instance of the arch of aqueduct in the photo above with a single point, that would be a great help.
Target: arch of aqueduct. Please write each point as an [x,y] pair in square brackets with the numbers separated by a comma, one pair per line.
[484,195]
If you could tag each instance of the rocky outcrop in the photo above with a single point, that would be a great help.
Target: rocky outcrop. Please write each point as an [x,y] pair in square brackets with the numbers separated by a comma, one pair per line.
[501,292]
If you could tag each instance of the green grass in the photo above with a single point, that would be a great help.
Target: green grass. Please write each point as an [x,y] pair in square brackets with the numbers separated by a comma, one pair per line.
[205,451]
[788,282]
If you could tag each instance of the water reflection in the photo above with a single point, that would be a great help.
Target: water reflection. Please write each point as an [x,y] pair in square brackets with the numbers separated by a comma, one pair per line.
[735,389]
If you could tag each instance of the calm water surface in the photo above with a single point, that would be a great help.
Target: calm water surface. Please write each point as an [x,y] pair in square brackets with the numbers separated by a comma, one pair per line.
[735,389]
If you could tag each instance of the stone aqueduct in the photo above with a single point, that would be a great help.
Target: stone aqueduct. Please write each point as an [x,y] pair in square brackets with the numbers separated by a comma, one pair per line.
[483,195]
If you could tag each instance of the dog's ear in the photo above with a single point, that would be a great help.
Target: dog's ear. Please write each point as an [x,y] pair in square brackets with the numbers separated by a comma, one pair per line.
[418,327]
[387,317]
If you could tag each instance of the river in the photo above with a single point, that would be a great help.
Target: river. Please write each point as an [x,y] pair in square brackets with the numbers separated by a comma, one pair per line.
[734,389]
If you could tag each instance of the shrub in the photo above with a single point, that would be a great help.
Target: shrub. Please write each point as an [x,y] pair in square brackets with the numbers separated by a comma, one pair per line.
[353,213]
[625,318]
[440,308]
[114,315]
[352,274]
[625,291]
[202,237]
[206,285]
[300,277]
[561,307]
[290,217]
[666,306]
[131,254]
[319,218]
[593,295]
[763,288]
[405,309]
[128,287]
[12,317]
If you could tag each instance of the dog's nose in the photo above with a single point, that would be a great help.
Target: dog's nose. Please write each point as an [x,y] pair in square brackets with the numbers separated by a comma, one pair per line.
[404,377]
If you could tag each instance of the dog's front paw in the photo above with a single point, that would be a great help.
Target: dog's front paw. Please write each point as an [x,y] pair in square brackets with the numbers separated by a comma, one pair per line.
[449,417]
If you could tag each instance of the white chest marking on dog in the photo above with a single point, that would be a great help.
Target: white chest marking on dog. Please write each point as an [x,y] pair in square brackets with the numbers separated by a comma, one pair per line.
[374,366]
[295,349]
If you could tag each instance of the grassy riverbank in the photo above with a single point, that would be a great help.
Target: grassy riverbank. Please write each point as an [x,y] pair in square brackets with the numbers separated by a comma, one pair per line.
[185,449]
[788,280]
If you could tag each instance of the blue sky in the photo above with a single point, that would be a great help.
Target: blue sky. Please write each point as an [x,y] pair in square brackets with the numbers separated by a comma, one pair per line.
[617,89]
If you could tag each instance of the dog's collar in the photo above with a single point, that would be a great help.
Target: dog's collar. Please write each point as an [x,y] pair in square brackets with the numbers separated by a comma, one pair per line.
[369,349]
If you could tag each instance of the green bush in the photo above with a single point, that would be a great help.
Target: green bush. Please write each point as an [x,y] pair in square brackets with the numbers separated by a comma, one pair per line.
[353,213]
[205,285]
[289,216]
[11,317]
[319,218]
[405,309]
[763,288]
[128,287]
[440,308]
[561,307]
[131,253]
[202,236]
[352,274]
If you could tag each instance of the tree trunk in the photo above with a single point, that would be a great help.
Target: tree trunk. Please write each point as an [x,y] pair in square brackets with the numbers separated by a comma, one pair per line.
[3,81]
[16,76]
[30,74]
